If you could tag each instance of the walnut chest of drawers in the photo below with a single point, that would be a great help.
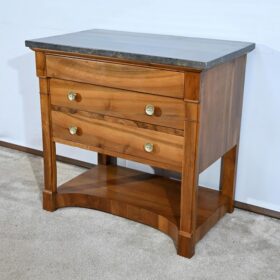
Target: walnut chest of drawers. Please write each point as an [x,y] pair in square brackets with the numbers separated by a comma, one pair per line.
[170,102]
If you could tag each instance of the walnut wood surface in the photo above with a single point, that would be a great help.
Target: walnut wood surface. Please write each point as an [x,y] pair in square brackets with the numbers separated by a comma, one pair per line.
[142,79]
[41,67]
[167,130]
[125,104]
[221,106]
[119,138]
[189,184]
[50,178]
[198,125]
[122,61]
[228,175]
[212,128]
[150,199]
[211,207]
[237,204]
[105,159]
[192,86]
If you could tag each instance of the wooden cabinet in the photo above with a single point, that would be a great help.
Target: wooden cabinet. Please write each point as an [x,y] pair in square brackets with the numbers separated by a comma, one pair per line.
[170,102]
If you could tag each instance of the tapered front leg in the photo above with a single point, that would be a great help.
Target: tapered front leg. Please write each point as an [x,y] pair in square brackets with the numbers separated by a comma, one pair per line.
[186,238]
[228,176]
[50,179]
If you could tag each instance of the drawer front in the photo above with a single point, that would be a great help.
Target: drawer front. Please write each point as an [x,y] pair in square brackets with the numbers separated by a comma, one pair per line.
[141,107]
[120,138]
[136,78]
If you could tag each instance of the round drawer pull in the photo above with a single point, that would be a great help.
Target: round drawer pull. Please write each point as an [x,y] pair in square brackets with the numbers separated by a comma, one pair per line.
[72,95]
[148,147]
[73,130]
[149,109]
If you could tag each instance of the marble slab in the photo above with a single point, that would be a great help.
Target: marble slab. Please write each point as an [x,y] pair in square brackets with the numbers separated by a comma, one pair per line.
[197,53]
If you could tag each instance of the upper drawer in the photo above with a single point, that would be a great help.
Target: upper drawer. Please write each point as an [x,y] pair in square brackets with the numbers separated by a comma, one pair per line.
[136,78]
[147,108]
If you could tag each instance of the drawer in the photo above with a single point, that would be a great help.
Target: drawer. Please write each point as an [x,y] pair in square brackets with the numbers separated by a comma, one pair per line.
[136,78]
[102,136]
[147,108]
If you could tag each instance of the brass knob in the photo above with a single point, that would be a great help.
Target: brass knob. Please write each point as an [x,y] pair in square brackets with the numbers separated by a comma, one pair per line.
[73,130]
[149,109]
[148,147]
[72,95]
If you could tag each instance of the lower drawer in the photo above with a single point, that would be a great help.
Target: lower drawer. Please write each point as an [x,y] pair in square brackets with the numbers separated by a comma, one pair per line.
[108,135]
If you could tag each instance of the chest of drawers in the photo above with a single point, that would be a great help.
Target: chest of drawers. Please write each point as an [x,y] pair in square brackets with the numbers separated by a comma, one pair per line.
[170,102]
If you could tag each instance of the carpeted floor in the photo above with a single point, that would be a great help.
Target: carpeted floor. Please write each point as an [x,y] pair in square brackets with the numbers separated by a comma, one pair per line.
[74,243]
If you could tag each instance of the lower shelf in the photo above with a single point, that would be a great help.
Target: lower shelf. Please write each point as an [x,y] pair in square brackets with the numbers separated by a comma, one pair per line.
[149,199]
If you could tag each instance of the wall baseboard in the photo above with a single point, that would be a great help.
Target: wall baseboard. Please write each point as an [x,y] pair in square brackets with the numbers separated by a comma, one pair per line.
[257,209]
[40,153]
[237,204]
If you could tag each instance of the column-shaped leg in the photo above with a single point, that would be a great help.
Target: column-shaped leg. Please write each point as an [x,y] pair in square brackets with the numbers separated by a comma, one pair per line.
[186,238]
[50,178]
[228,176]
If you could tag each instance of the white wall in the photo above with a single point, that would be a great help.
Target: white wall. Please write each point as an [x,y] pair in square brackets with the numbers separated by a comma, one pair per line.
[248,20]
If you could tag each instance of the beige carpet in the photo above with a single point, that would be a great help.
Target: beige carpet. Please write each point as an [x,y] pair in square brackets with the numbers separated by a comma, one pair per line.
[74,243]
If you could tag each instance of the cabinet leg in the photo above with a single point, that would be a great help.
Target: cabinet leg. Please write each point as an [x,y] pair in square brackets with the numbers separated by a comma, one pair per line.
[49,201]
[186,236]
[185,246]
[106,160]
[228,176]
[50,179]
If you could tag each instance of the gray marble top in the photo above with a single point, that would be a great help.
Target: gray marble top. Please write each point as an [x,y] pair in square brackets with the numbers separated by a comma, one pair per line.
[189,52]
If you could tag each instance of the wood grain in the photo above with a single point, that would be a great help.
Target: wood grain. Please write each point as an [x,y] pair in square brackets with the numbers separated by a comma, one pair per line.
[118,138]
[103,159]
[167,130]
[142,79]
[213,207]
[41,64]
[125,104]
[189,191]
[49,149]
[237,204]
[149,199]
[118,60]
[192,86]
[228,176]
[221,106]
[197,121]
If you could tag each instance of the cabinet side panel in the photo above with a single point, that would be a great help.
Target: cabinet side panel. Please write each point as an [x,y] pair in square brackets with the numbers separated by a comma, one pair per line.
[221,107]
